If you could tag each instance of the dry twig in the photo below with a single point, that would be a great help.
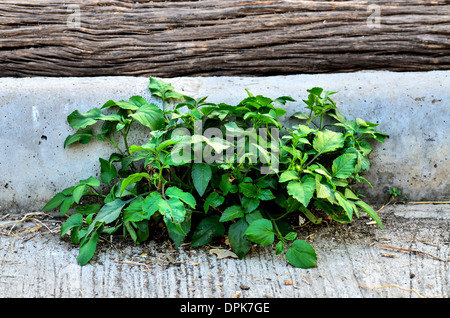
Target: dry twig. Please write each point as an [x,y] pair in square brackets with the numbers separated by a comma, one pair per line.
[393,285]
[410,250]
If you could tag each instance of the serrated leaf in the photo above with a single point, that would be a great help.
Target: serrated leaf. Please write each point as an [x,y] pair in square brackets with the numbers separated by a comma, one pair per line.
[327,141]
[136,177]
[324,190]
[344,166]
[249,204]
[201,175]
[261,232]
[350,195]
[265,194]
[288,176]
[249,190]
[172,209]
[301,254]
[231,213]
[150,116]
[183,196]
[302,191]
[162,89]
[208,228]
[214,200]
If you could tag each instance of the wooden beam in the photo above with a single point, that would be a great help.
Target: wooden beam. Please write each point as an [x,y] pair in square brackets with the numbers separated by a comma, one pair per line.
[221,37]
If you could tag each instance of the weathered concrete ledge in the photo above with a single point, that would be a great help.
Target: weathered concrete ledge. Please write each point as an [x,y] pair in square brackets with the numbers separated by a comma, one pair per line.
[413,108]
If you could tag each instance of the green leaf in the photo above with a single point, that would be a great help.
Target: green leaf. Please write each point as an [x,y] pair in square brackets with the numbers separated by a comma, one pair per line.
[310,215]
[88,208]
[249,190]
[150,116]
[302,255]
[348,206]
[134,103]
[151,204]
[301,115]
[178,232]
[344,166]
[55,202]
[183,196]
[225,184]
[231,213]
[110,211]
[91,181]
[288,176]
[66,205]
[265,194]
[370,211]
[108,171]
[335,212]
[237,238]
[142,209]
[208,228]
[136,177]
[350,195]
[162,90]
[71,222]
[87,249]
[279,248]
[79,120]
[291,236]
[172,209]
[327,141]
[82,135]
[214,200]
[201,175]
[249,204]
[324,190]
[302,191]
[78,192]
[261,232]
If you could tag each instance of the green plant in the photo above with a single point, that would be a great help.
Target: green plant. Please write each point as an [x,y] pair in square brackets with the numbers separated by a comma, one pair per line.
[394,192]
[210,170]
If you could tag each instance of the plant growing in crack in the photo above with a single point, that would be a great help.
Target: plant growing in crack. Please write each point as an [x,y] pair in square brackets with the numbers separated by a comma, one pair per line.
[209,170]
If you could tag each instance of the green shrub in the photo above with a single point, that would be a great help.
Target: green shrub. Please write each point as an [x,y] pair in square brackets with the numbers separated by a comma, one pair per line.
[218,169]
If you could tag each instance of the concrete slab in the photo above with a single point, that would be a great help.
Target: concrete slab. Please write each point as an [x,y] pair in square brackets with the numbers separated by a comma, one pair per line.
[412,107]
[409,259]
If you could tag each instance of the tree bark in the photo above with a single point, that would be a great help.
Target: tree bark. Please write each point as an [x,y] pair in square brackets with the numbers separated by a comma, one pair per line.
[221,37]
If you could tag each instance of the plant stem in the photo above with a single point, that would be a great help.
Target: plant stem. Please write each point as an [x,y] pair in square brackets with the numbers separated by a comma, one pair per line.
[314,158]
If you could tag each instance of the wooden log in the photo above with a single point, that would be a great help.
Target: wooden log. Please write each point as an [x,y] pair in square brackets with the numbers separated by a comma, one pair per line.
[221,37]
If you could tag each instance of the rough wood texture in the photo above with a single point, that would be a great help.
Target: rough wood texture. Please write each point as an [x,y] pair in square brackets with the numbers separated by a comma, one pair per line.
[221,37]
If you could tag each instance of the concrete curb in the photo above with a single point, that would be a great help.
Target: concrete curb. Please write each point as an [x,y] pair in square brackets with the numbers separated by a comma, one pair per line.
[412,107]
[409,259]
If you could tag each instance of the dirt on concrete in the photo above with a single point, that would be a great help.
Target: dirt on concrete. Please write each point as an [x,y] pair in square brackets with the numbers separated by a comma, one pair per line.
[408,259]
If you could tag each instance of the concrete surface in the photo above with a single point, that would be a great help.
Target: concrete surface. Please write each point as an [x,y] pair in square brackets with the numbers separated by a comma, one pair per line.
[412,107]
[408,259]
